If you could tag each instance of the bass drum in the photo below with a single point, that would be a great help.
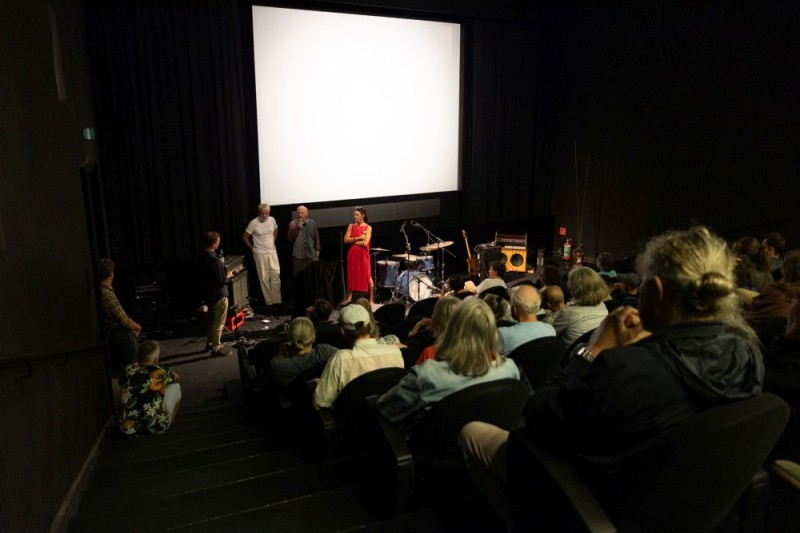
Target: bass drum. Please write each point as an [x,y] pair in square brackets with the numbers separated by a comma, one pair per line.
[415,285]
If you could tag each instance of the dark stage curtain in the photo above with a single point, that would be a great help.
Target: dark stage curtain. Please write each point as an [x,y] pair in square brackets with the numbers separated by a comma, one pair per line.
[170,101]
[507,130]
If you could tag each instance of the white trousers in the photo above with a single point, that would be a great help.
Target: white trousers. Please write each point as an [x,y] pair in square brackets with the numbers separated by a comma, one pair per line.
[269,275]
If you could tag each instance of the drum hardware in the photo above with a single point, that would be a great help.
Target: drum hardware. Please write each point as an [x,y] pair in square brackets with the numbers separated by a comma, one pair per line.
[379,249]
[416,286]
[435,246]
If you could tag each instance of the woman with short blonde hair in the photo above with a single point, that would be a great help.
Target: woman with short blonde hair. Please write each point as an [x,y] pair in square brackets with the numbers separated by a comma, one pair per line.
[466,354]
[587,308]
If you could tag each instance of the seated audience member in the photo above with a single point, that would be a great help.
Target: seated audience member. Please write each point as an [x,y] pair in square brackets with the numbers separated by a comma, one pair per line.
[496,272]
[375,330]
[442,312]
[325,330]
[501,310]
[752,268]
[774,244]
[587,308]
[457,288]
[298,353]
[552,303]
[629,284]
[120,330]
[149,394]
[775,299]
[782,358]
[525,302]
[605,264]
[466,354]
[552,277]
[365,355]
[685,350]
[427,330]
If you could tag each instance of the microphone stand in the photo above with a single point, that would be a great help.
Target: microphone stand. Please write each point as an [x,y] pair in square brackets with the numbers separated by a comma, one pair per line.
[435,238]
[341,267]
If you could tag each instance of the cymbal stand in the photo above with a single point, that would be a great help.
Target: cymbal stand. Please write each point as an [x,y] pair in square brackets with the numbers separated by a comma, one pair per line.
[437,239]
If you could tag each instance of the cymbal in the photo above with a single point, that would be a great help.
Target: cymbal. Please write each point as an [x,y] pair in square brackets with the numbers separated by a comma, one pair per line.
[435,246]
[410,257]
[379,249]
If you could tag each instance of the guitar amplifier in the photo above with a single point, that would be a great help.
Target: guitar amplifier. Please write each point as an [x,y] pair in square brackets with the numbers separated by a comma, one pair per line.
[234,263]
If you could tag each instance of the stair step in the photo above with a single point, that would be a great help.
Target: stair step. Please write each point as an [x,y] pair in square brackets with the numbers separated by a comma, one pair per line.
[193,413]
[126,451]
[115,498]
[210,503]
[116,473]
[422,521]
[331,510]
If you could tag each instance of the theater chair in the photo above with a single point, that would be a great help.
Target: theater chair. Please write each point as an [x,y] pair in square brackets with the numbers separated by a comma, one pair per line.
[702,475]
[432,456]
[539,359]
[343,426]
[391,315]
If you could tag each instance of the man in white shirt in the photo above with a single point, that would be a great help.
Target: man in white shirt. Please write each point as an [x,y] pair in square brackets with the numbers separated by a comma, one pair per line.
[365,356]
[260,236]
[496,272]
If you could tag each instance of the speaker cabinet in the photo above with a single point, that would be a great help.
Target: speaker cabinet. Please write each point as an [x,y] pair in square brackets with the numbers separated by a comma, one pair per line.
[515,258]
[239,296]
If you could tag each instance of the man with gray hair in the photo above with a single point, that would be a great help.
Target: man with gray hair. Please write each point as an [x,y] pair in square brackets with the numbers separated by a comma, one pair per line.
[304,235]
[525,303]
[260,236]
[149,394]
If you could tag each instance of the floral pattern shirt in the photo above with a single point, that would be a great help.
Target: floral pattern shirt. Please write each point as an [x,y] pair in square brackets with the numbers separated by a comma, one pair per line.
[142,399]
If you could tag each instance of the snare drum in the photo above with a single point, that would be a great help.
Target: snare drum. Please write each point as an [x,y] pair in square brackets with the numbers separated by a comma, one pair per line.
[425,263]
[415,285]
[387,273]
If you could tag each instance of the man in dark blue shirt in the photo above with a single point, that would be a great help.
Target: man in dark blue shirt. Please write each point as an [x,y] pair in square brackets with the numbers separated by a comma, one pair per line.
[214,284]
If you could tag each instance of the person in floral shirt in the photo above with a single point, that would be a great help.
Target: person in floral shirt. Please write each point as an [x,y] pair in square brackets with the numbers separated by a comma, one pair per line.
[149,394]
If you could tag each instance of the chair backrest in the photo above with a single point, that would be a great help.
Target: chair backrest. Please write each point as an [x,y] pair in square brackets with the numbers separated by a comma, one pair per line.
[351,410]
[391,314]
[423,308]
[583,339]
[435,440]
[539,359]
[690,477]
[502,292]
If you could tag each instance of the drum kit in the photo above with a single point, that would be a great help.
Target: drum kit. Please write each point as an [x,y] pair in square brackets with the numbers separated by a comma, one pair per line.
[411,277]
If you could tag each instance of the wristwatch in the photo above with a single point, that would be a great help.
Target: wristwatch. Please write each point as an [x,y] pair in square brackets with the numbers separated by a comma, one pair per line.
[584,352]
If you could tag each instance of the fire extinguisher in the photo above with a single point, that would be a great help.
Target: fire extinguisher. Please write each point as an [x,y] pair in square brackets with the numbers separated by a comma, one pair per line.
[567,255]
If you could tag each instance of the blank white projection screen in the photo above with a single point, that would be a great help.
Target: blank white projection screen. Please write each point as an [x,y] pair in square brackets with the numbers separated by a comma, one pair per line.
[355,106]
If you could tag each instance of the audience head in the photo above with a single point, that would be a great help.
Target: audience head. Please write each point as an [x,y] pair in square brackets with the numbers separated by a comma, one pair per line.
[688,276]
[774,244]
[749,250]
[322,310]
[586,286]
[552,297]
[374,330]
[470,340]
[525,302]
[631,282]
[355,322]
[551,275]
[499,268]
[300,335]
[442,312]
[148,353]
[791,266]
[105,268]
[500,307]
[456,284]
[605,262]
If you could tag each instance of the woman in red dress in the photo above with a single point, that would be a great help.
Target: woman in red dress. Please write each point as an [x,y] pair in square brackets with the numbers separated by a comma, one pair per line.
[359,272]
